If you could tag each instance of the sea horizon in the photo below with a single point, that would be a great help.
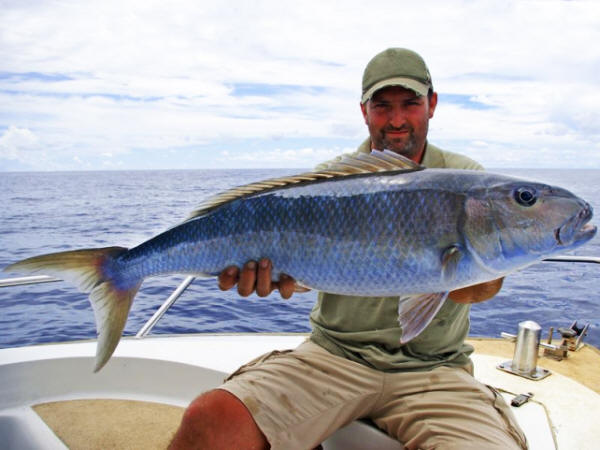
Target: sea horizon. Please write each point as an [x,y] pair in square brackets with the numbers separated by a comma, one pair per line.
[489,169]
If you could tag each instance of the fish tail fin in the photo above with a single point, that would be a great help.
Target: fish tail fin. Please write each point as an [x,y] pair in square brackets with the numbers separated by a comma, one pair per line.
[93,271]
[415,312]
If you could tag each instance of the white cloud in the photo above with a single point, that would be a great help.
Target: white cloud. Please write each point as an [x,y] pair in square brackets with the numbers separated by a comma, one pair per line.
[125,77]
[16,141]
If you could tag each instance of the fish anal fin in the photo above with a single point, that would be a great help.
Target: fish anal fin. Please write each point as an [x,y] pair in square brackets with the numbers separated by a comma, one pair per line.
[415,312]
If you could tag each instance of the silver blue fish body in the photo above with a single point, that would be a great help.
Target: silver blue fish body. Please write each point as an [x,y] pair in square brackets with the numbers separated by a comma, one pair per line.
[375,235]
[419,232]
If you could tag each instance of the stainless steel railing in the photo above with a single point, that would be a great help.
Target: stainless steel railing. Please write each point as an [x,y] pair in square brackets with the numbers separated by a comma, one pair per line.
[577,259]
[147,327]
[27,280]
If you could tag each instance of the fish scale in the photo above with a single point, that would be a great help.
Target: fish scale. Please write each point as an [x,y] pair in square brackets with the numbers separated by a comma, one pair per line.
[340,240]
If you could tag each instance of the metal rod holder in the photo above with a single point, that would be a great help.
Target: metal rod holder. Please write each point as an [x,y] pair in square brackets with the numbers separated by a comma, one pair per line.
[527,343]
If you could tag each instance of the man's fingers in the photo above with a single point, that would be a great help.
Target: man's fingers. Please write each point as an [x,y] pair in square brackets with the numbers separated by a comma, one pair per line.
[247,281]
[257,277]
[228,278]
[286,286]
[263,278]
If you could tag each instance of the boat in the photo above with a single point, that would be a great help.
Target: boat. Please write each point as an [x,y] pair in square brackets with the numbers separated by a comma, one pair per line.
[51,399]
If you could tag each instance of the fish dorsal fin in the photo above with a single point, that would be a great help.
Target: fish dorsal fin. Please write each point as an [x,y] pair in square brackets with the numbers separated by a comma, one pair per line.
[363,163]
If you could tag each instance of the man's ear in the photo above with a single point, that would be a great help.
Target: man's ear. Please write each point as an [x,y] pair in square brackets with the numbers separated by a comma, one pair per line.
[432,104]
[363,108]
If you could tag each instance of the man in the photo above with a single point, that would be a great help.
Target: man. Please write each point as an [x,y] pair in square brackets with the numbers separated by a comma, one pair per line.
[421,393]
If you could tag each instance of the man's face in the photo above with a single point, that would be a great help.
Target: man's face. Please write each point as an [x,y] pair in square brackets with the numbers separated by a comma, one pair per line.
[398,119]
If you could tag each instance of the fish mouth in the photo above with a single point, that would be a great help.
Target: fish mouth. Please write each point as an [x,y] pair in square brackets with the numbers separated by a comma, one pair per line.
[576,231]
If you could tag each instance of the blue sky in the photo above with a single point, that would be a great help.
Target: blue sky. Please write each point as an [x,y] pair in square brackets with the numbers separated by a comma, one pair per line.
[184,84]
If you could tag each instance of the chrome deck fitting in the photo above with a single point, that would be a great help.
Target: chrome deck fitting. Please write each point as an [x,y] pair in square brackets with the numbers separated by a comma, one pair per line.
[524,362]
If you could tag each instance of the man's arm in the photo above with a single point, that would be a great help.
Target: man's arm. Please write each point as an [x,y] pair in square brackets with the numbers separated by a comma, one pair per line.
[476,293]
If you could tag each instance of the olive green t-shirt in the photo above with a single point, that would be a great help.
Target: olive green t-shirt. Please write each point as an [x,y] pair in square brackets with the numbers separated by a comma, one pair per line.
[366,329]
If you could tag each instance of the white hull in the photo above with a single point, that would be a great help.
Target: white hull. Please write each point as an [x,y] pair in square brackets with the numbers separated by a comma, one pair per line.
[172,370]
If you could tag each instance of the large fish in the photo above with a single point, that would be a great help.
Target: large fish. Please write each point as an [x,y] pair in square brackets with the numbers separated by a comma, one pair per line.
[373,225]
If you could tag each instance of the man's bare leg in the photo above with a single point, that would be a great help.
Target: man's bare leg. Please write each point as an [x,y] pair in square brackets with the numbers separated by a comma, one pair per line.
[218,420]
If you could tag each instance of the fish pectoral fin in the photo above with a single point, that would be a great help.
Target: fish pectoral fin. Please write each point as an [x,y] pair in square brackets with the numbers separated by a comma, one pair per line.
[450,259]
[415,312]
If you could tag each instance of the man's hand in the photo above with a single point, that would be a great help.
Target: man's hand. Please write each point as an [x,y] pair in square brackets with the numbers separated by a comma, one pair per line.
[476,293]
[257,277]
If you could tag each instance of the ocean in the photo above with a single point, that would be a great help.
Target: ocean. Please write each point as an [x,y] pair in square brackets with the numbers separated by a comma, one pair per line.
[53,211]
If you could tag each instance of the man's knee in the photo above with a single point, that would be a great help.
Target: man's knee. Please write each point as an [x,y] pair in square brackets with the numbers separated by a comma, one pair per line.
[218,419]
[209,405]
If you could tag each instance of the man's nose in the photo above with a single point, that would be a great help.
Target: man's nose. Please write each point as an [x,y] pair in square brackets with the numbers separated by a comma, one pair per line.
[397,118]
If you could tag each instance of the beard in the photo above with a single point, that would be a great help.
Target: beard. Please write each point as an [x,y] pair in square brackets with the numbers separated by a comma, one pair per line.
[408,146]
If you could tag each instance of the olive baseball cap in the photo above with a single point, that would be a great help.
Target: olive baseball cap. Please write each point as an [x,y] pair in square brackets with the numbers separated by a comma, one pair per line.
[396,67]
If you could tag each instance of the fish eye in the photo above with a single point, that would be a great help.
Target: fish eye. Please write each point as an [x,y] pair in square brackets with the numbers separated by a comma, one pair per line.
[526,196]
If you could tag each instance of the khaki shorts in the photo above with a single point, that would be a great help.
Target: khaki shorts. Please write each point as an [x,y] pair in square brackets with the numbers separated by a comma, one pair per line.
[300,397]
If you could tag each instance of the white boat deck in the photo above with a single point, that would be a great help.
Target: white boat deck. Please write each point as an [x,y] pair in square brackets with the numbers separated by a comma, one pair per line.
[172,370]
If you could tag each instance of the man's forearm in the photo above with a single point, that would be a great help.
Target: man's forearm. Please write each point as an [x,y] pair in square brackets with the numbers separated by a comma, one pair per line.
[476,293]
